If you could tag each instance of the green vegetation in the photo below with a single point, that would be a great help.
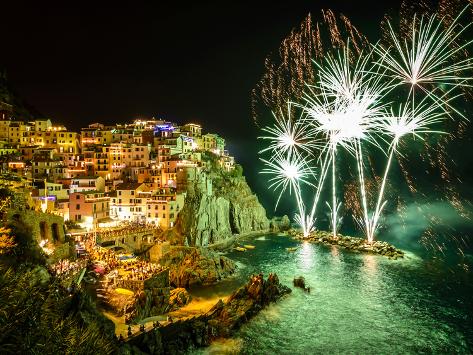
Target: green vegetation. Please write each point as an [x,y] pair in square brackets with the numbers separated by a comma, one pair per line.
[37,314]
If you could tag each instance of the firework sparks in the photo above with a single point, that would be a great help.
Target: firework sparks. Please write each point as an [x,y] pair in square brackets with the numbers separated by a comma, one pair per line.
[290,172]
[427,59]
[353,100]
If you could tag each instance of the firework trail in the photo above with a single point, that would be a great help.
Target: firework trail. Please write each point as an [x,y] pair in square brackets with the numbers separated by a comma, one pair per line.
[355,97]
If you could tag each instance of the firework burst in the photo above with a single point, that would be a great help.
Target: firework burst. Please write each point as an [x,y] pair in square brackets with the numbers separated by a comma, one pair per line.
[355,100]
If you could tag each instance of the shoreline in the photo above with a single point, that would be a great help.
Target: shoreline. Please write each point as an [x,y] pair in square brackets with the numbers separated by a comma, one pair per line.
[230,242]
[353,244]
[200,327]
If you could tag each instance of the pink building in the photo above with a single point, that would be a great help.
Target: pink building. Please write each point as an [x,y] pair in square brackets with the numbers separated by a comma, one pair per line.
[89,208]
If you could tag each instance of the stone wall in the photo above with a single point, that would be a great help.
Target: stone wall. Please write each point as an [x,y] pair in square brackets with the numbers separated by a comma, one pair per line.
[158,280]
[157,251]
[133,242]
[44,226]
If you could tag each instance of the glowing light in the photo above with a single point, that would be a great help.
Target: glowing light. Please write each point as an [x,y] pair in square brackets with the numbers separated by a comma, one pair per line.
[290,172]
[289,135]
[430,57]
[357,99]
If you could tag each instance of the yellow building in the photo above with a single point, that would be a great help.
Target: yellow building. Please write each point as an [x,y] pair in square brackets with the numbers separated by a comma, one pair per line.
[162,209]
[4,124]
[129,202]
[192,130]
[62,141]
[96,133]
[42,124]
[18,133]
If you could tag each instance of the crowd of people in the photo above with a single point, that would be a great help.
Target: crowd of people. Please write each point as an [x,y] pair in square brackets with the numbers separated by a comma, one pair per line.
[65,267]
[108,257]
[128,266]
[139,270]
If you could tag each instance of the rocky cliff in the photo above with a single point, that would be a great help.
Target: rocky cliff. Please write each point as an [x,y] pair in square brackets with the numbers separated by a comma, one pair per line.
[222,320]
[190,266]
[216,210]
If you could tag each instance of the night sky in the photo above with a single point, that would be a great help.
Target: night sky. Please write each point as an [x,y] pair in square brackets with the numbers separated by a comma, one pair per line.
[111,63]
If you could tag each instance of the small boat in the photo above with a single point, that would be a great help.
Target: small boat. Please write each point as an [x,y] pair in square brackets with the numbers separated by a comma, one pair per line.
[249,246]
[240,249]
[291,249]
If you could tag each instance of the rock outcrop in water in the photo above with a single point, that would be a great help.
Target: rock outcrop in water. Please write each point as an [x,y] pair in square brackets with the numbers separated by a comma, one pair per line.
[218,206]
[220,321]
[189,266]
[280,224]
[351,243]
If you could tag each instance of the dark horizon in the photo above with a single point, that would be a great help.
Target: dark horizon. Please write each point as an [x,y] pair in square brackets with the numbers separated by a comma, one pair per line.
[83,64]
[112,64]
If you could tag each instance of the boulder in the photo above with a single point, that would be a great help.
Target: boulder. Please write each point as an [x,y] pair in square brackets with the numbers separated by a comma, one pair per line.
[280,224]
[189,266]
[299,282]
[178,297]
[222,320]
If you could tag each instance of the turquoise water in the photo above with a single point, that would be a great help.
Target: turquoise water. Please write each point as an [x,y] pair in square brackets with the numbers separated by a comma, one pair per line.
[363,304]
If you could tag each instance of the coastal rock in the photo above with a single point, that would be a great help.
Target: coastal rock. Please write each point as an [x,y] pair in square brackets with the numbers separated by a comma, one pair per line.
[178,298]
[350,243]
[299,282]
[280,224]
[245,302]
[190,266]
[147,303]
[218,209]
[220,321]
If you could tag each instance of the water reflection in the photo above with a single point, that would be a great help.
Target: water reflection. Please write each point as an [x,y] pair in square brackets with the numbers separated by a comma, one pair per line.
[370,263]
[359,303]
[306,256]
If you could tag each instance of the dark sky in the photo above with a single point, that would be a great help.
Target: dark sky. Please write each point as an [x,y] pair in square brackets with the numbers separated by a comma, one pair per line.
[93,61]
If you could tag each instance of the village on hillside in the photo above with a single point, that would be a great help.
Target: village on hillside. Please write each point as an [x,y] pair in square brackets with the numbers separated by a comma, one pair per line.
[107,175]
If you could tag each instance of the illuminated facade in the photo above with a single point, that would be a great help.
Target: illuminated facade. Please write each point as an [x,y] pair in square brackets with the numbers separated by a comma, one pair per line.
[128,203]
[89,208]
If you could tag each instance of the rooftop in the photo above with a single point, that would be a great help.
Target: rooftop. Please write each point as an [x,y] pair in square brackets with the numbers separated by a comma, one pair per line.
[129,185]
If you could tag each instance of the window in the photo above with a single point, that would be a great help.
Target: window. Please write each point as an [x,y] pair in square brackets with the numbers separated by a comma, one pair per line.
[164,215]
[78,197]
[77,207]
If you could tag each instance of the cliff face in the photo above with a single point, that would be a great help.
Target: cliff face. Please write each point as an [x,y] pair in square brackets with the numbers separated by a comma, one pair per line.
[190,266]
[222,320]
[215,211]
